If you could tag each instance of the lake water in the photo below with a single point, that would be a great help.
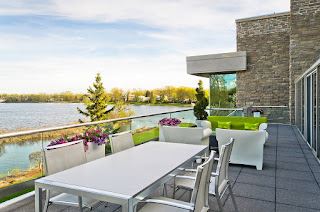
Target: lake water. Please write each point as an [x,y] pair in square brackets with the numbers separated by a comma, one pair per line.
[15,116]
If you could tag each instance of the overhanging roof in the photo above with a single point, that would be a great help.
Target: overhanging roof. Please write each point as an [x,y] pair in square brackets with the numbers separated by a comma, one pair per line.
[225,63]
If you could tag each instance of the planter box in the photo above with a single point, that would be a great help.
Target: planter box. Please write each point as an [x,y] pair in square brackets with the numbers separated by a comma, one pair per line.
[95,151]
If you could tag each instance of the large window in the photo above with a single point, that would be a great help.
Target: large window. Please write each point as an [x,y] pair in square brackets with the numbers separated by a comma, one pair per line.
[223,91]
[308,108]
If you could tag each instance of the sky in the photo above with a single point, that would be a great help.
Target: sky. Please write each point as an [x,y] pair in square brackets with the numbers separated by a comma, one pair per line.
[59,45]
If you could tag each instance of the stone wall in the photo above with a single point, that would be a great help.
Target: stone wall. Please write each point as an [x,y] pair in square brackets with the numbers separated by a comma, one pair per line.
[275,114]
[304,41]
[266,41]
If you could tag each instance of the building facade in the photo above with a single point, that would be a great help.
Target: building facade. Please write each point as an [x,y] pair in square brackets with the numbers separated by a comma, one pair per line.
[272,52]
[277,67]
[280,48]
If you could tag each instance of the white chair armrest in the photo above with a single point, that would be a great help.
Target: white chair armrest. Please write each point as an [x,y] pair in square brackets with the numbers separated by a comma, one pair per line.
[176,203]
[206,133]
[206,124]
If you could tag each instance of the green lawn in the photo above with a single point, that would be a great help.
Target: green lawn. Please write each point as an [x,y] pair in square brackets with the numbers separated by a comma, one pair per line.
[142,137]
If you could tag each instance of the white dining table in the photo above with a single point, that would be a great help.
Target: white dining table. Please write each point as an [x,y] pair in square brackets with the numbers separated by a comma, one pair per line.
[123,178]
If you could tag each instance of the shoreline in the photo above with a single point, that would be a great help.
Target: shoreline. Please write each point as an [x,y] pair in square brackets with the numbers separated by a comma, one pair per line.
[111,103]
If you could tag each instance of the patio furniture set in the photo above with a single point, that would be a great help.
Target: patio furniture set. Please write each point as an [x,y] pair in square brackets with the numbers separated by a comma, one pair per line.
[132,173]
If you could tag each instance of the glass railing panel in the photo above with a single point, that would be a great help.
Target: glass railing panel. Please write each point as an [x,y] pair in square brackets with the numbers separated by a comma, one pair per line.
[21,161]
[185,116]
[147,128]
[224,112]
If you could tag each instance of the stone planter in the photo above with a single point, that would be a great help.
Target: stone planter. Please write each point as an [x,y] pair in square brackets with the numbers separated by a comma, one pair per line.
[95,151]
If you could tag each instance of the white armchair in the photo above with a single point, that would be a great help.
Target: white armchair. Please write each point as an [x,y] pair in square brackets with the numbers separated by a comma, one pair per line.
[247,148]
[187,135]
[263,127]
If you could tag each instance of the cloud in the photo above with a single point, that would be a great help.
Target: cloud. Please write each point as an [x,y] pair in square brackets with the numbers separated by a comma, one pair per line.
[57,45]
[180,14]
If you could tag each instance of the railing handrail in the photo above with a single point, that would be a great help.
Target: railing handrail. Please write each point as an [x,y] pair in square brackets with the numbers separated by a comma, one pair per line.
[216,108]
[270,106]
[63,127]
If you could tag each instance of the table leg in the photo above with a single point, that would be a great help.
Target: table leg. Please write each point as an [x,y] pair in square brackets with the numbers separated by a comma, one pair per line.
[38,199]
[127,207]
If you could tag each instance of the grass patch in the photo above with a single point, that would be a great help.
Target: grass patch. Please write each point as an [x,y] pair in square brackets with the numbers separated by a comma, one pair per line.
[14,195]
[144,136]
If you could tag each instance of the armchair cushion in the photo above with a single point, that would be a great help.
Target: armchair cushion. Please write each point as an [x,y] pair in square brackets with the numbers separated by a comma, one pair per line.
[237,122]
[251,126]
[224,125]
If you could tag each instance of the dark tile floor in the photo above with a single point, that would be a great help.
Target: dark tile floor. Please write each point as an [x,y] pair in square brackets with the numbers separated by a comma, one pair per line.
[289,180]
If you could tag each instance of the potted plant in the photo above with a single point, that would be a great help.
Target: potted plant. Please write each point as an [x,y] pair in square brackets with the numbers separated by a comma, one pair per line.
[201,105]
[94,140]
[167,122]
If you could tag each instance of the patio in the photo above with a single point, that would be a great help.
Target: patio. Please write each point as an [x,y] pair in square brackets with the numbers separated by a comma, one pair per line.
[289,181]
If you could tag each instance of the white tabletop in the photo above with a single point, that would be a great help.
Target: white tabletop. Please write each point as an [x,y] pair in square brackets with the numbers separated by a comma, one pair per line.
[128,172]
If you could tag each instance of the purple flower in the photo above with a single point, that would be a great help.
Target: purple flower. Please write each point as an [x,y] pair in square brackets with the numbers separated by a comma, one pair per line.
[169,122]
[91,135]
[58,141]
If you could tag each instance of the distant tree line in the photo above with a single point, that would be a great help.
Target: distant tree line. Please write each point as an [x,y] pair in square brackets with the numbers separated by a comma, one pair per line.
[220,97]
[41,97]
[168,94]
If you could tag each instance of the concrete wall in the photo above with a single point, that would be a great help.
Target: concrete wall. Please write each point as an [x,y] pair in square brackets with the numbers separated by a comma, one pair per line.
[304,41]
[266,41]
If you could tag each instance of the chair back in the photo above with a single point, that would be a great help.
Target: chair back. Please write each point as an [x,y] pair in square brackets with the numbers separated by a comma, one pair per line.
[121,141]
[63,156]
[223,167]
[201,189]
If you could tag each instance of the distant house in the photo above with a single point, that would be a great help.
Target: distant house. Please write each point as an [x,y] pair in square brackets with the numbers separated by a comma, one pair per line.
[2,100]
[143,99]
[158,98]
[131,98]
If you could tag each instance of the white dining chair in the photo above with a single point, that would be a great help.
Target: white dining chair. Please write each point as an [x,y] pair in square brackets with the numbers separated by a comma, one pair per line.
[219,182]
[121,141]
[198,202]
[58,158]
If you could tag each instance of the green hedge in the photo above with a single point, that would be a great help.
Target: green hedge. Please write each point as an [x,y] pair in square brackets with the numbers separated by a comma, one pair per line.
[237,122]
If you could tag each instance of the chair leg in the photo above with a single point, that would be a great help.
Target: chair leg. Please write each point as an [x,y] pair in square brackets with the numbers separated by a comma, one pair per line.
[47,202]
[164,190]
[80,204]
[232,198]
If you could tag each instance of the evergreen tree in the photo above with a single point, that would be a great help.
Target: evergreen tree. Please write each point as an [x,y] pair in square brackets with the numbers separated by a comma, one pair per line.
[96,102]
[201,104]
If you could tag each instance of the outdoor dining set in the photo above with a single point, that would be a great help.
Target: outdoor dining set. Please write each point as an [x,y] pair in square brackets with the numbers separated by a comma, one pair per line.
[131,174]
